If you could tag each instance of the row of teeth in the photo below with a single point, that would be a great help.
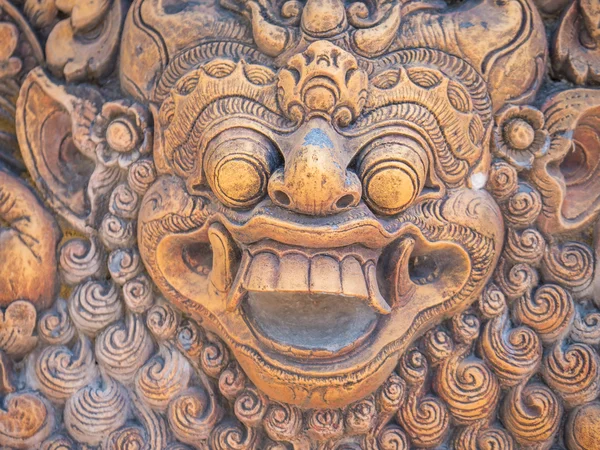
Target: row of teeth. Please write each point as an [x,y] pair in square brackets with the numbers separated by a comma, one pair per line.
[319,274]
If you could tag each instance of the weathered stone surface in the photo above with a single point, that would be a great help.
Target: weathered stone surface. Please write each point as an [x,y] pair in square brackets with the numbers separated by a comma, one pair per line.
[317,224]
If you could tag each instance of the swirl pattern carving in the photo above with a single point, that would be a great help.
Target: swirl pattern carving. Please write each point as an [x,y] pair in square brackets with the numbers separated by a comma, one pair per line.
[298,225]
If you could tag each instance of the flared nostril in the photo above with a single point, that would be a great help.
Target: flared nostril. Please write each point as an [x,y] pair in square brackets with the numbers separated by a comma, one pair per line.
[282,198]
[345,201]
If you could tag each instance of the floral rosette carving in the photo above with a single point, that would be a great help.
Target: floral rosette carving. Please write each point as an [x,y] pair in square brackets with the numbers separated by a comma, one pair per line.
[122,133]
[520,135]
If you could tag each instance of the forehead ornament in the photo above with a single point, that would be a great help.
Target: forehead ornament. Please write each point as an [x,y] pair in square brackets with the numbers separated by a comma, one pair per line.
[325,80]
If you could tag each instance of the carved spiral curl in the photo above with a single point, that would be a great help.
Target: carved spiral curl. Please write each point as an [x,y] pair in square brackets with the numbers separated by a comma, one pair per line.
[324,424]
[141,175]
[532,414]
[523,207]
[573,372]
[233,436]
[503,181]
[526,246]
[193,415]
[58,442]
[163,377]
[492,302]
[425,420]
[570,264]
[55,326]
[550,312]
[413,367]
[60,372]
[438,345]
[468,386]
[190,339]
[465,327]
[124,264]
[94,305]
[116,232]
[124,202]
[513,354]
[586,327]
[494,438]
[214,357]
[276,446]
[391,394]
[465,437]
[392,438]
[515,280]
[124,347]
[250,407]
[80,259]
[137,294]
[361,416]
[162,321]
[128,437]
[177,446]
[478,436]
[232,381]
[283,422]
[95,411]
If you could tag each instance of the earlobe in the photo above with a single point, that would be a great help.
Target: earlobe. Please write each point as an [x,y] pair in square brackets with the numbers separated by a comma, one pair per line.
[54,133]
[567,175]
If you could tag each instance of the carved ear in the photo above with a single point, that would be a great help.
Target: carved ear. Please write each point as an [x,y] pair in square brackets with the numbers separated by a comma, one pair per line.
[53,129]
[568,175]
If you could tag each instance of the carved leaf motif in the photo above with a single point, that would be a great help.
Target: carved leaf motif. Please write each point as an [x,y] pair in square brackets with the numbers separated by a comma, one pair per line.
[86,44]
[17,324]
[29,236]
[53,127]
[27,418]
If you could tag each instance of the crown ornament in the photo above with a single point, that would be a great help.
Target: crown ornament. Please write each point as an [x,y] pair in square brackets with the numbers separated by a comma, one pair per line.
[289,30]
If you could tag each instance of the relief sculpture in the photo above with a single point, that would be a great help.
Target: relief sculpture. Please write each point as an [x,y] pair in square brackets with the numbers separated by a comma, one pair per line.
[299,224]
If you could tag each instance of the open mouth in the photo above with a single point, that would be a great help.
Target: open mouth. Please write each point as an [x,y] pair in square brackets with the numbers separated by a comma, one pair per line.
[323,303]
[304,302]
[309,302]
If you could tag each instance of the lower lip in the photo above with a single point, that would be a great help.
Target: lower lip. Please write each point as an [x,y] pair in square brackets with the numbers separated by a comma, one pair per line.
[301,325]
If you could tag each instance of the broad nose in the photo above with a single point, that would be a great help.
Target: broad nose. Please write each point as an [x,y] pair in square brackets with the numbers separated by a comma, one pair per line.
[315,179]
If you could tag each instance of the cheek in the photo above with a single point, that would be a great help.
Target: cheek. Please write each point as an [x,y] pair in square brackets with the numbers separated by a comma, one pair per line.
[449,254]
[173,239]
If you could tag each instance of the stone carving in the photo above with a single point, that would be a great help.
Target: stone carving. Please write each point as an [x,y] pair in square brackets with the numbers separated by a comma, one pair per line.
[317,224]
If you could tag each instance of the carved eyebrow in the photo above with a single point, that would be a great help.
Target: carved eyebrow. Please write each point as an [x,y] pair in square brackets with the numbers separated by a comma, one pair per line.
[454,167]
[187,152]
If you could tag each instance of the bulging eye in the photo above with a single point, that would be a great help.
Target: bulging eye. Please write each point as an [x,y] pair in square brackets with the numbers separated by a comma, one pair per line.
[238,164]
[392,170]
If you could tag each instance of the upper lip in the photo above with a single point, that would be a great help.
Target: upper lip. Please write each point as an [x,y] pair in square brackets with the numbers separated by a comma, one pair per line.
[269,222]
[269,266]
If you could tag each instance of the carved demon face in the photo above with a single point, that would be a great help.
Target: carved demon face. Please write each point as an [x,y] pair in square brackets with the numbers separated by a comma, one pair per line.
[318,217]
